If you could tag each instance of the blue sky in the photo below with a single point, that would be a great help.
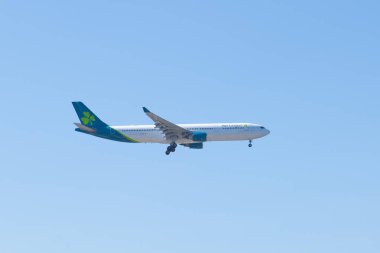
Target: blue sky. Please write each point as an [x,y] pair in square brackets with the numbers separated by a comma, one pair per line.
[307,70]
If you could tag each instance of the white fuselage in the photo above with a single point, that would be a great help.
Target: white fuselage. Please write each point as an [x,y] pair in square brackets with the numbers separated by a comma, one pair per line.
[215,132]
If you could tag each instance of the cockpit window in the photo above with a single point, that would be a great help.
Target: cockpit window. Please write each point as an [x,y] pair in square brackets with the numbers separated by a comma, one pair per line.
[262,127]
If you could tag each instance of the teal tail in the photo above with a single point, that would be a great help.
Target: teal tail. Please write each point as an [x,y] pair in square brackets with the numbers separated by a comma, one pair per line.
[87,117]
[91,124]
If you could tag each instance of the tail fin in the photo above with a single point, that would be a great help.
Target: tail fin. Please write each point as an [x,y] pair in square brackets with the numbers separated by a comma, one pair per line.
[87,117]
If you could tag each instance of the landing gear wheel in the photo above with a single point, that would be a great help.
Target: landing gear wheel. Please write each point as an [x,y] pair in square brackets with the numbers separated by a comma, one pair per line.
[250,145]
[171,148]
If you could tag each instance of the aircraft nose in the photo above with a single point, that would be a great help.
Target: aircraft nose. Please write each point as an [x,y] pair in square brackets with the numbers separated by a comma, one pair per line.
[266,132]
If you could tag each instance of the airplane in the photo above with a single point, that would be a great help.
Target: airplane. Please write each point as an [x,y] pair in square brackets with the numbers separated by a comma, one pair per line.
[165,132]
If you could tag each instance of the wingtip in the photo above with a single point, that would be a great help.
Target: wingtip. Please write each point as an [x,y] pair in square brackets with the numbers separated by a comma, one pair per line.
[145,110]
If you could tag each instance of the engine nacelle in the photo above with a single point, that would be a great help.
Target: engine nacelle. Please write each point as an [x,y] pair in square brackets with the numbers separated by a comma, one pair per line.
[199,136]
[194,145]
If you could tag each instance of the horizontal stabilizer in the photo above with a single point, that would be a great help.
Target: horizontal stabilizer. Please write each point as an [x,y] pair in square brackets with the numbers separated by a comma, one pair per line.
[85,128]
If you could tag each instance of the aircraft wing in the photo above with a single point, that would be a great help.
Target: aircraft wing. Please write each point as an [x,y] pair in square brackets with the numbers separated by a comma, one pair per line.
[171,131]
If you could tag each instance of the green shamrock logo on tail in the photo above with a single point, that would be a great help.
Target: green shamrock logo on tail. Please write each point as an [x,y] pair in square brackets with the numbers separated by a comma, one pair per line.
[88,118]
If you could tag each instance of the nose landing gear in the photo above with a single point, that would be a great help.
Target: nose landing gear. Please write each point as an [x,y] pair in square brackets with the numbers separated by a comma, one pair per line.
[250,144]
[171,148]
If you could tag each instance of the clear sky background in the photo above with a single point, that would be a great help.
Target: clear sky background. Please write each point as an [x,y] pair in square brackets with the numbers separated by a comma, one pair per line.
[307,70]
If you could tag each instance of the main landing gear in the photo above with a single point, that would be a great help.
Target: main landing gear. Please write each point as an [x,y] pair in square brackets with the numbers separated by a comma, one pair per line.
[171,148]
[250,144]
